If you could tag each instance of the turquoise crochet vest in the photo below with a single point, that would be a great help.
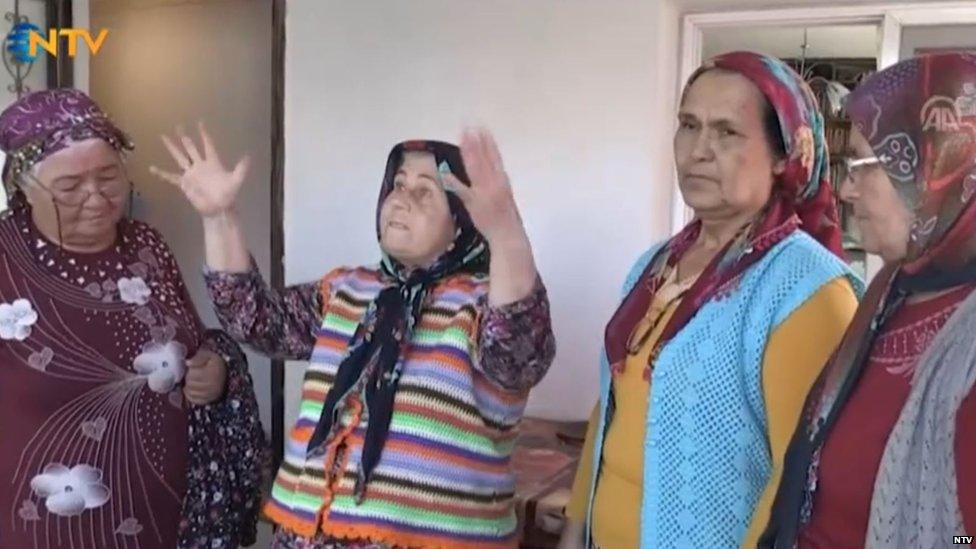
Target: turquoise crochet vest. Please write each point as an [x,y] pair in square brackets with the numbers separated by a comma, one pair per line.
[706,452]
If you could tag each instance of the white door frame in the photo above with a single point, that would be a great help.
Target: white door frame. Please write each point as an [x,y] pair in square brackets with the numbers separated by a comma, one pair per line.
[889,17]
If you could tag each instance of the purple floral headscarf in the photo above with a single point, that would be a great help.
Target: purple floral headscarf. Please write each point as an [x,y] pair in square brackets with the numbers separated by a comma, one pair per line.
[44,122]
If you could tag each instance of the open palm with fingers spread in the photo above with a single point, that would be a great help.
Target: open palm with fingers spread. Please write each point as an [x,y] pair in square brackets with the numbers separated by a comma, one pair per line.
[489,199]
[209,186]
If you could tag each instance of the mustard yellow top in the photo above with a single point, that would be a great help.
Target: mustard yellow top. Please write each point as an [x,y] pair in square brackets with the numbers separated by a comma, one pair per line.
[795,354]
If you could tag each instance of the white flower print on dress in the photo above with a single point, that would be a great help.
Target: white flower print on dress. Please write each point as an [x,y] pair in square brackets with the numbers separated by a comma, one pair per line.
[163,365]
[16,319]
[134,290]
[68,492]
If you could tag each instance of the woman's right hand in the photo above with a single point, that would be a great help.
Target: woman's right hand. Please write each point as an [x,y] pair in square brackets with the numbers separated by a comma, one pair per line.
[209,186]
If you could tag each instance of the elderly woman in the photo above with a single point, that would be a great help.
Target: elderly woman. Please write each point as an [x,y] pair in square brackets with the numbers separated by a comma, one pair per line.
[125,423]
[722,328]
[885,453]
[420,365]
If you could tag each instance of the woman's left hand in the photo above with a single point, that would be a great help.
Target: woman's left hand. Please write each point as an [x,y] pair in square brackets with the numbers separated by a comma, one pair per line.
[205,377]
[489,199]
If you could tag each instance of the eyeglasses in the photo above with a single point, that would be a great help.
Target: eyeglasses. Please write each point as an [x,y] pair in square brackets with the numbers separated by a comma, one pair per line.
[853,165]
[111,189]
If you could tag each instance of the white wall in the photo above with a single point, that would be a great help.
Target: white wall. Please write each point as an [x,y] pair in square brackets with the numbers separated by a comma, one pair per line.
[940,36]
[573,90]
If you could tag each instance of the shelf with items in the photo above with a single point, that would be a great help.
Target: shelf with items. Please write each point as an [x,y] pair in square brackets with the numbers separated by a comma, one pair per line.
[830,80]
[837,132]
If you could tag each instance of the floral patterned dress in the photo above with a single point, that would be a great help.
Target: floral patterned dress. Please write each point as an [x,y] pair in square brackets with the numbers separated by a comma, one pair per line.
[100,450]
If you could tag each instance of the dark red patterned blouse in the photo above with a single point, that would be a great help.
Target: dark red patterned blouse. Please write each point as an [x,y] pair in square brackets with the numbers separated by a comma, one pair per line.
[852,453]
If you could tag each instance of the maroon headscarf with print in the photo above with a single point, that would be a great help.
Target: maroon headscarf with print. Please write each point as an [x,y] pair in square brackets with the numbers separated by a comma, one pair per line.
[802,197]
[920,118]
[44,122]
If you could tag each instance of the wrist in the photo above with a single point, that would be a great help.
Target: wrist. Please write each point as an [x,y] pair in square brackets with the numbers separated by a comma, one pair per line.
[508,235]
[221,219]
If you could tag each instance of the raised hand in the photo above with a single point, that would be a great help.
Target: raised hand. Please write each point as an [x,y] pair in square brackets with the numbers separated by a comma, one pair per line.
[491,204]
[209,186]
[489,199]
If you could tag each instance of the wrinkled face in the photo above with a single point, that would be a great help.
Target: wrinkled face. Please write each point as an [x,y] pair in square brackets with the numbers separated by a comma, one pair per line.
[87,182]
[882,217]
[725,165]
[416,226]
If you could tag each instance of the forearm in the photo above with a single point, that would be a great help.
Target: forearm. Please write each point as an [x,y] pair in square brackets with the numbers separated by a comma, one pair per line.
[278,323]
[224,242]
[512,269]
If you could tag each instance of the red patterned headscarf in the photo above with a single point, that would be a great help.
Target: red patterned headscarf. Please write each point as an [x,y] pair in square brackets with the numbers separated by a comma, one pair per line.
[920,118]
[802,197]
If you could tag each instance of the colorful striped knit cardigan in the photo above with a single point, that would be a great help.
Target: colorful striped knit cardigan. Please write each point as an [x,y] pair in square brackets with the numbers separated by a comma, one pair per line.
[444,478]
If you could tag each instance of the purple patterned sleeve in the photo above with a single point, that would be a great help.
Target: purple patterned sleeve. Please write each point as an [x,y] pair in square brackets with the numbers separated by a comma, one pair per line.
[229,460]
[280,324]
[516,341]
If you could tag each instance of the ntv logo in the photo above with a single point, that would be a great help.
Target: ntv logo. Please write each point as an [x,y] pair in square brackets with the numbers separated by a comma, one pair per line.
[25,41]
